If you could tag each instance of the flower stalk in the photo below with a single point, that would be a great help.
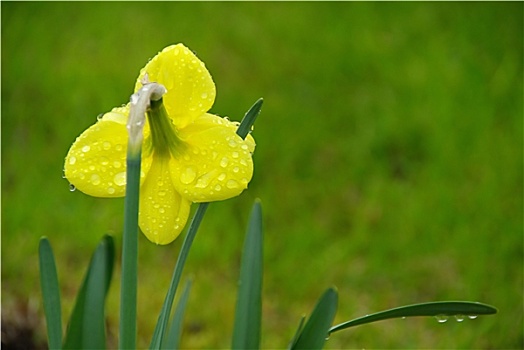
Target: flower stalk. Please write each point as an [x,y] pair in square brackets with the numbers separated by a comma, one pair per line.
[140,103]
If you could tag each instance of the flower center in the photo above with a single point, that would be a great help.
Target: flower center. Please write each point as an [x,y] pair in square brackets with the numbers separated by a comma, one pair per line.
[164,139]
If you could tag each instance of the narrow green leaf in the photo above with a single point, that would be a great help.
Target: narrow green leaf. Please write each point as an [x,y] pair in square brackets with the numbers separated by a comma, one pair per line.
[297,333]
[86,328]
[128,284]
[315,332]
[50,294]
[246,332]
[175,330]
[441,308]
[158,335]
[249,118]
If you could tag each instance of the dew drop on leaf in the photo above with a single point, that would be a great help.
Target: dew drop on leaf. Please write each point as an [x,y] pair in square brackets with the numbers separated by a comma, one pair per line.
[442,318]
[459,318]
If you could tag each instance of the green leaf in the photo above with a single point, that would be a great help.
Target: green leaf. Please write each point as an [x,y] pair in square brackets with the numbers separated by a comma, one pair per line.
[50,294]
[86,328]
[158,335]
[441,308]
[315,332]
[249,119]
[173,338]
[246,332]
[297,333]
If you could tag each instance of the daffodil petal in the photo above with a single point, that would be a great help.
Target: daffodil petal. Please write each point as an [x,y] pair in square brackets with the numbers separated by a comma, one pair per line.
[96,162]
[216,163]
[163,213]
[190,88]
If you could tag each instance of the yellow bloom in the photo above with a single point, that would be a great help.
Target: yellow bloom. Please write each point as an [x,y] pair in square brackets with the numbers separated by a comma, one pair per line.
[188,155]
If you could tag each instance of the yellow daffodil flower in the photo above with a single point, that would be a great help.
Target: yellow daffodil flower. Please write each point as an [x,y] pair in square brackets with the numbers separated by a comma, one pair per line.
[188,155]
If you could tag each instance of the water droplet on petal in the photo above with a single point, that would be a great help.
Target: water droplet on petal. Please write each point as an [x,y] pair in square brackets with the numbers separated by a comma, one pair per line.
[95,179]
[244,147]
[72,187]
[188,176]
[224,162]
[234,154]
[117,164]
[203,181]
[110,190]
[106,145]
[161,210]
[104,161]
[442,318]
[86,148]
[232,142]
[218,188]
[72,160]
[161,193]
[119,147]
[232,184]
[236,169]
[222,177]
[98,117]
[120,179]
[204,95]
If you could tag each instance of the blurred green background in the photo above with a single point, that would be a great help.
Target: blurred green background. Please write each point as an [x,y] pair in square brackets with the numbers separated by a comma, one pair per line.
[389,161]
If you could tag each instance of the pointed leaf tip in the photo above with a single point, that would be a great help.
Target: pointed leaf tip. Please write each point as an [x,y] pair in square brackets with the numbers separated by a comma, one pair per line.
[315,331]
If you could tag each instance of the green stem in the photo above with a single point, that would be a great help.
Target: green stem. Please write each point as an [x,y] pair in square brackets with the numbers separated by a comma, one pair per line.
[140,103]
[128,290]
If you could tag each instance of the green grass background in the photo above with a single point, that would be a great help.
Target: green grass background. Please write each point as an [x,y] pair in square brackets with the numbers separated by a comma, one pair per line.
[389,160]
